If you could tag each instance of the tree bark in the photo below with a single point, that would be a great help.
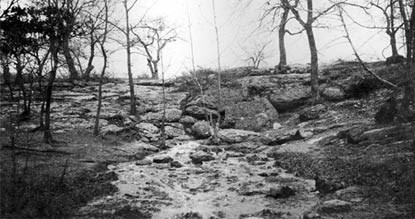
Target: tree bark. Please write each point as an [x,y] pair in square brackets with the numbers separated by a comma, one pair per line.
[281,38]
[47,137]
[133,108]
[314,65]
[90,67]
[393,44]
[73,73]
[155,73]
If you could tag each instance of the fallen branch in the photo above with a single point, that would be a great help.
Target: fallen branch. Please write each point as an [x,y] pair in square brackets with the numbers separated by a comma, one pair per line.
[36,150]
[390,84]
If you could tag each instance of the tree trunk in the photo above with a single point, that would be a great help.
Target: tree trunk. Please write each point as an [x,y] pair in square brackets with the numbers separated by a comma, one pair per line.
[47,137]
[7,76]
[155,73]
[281,38]
[393,44]
[133,108]
[20,83]
[101,79]
[73,73]
[90,67]
[314,64]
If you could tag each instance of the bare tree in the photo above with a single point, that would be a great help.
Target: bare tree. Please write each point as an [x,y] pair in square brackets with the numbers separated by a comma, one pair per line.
[257,55]
[307,25]
[104,54]
[153,37]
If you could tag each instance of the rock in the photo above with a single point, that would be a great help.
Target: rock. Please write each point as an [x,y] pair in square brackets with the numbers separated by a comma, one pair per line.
[395,59]
[176,164]
[201,112]
[187,120]
[173,132]
[305,133]
[254,115]
[281,192]
[351,193]
[353,135]
[166,159]
[200,156]
[276,125]
[333,93]
[289,98]
[312,112]
[189,215]
[147,128]
[202,130]
[173,115]
[334,206]
[205,101]
[311,215]
[280,136]
[111,129]
[387,112]
[236,135]
[143,162]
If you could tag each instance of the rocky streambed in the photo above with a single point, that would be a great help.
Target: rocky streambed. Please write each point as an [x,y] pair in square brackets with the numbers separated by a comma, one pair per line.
[207,182]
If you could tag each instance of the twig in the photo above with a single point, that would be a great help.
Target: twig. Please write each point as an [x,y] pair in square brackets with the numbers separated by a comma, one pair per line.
[390,84]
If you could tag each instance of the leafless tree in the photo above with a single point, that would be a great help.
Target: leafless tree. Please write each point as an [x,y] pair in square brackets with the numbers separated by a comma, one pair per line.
[153,36]
[257,55]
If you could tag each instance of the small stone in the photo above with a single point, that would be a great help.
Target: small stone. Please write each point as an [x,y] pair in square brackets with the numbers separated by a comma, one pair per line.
[281,192]
[200,156]
[276,125]
[162,159]
[144,162]
[311,215]
[176,164]
[335,206]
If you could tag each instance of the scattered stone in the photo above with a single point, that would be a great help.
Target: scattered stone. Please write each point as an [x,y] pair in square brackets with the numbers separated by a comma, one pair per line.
[202,130]
[333,93]
[334,206]
[188,120]
[266,213]
[276,125]
[144,162]
[176,164]
[311,215]
[281,192]
[236,135]
[312,112]
[166,159]
[189,215]
[200,156]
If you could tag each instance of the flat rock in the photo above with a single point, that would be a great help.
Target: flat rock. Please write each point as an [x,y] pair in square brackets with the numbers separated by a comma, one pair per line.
[236,135]
[312,112]
[334,206]
[281,192]
[162,159]
[200,156]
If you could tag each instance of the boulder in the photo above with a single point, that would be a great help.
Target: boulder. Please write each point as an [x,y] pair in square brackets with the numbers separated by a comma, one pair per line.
[200,112]
[312,112]
[173,132]
[290,97]
[205,101]
[166,159]
[111,129]
[236,135]
[281,192]
[255,115]
[202,130]
[173,115]
[200,156]
[147,128]
[187,120]
[334,206]
[280,136]
[333,93]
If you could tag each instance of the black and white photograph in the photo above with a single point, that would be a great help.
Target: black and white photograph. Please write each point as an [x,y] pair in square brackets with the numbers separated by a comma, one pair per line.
[207,109]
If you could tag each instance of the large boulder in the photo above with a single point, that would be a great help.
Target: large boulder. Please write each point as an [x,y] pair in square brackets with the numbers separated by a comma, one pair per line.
[200,112]
[202,130]
[149,131]
[173,132]
[290,97]
[255,115]
[236,135]
[172,115]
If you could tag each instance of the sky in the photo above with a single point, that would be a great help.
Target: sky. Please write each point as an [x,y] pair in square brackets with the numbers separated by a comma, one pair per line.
[240,34]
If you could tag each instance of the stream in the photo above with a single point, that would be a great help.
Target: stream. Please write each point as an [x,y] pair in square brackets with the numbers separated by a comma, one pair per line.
[233,185]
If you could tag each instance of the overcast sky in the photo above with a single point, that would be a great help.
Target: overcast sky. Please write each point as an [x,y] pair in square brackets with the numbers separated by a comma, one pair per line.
[239,34]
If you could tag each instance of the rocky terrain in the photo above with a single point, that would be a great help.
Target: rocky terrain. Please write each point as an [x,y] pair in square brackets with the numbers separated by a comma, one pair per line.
[277,156]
